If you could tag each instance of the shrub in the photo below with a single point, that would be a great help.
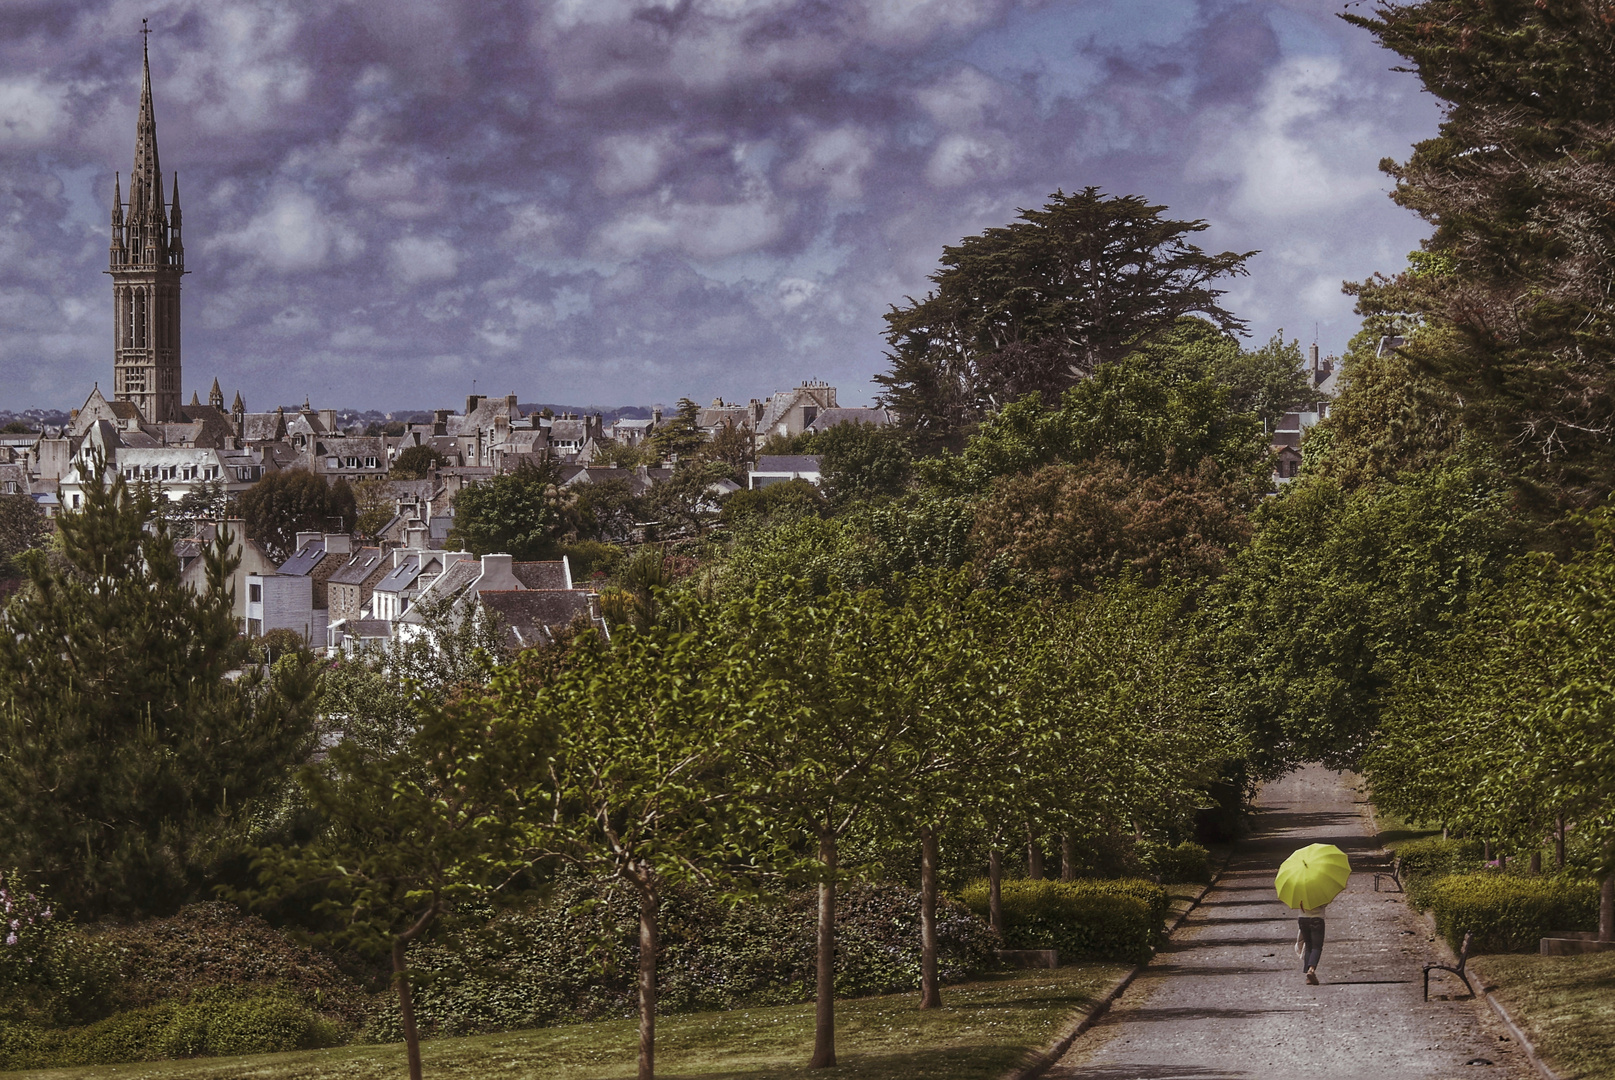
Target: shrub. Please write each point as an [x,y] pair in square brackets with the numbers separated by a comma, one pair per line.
[210,1022]
[575,957]
[1433,855]
[1186,864]
[1098,920]
[1506,912]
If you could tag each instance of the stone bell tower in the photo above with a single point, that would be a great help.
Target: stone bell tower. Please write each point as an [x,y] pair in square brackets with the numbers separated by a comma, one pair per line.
[147,261]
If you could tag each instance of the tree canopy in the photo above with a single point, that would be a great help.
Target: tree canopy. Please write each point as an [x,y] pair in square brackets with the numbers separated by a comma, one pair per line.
[1043,302]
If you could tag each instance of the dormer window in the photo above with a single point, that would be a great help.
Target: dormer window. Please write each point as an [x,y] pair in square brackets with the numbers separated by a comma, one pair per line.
[333,463]
[370,463]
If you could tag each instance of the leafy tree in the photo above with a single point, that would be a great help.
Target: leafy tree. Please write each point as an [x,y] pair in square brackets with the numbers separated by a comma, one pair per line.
[644,792]
[410,835]
[285,503]
[127,752]
[416,462]
[1038,305]
[1074,526]
[1269,381]
[22,528]
[772,503]
[1125,413]
[374,506]
[1337,591]
[605,510]
[622,455]
[185,516]
[733,445]
[684,504]
[861,462]
[519,513]
[1512,283]
[16,427]
[679,434]
[1389,418]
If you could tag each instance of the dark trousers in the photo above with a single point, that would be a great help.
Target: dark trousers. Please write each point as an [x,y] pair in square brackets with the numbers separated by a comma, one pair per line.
[1311,942]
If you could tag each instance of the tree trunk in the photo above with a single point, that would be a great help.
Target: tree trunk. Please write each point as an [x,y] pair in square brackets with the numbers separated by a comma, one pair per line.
[406,1009]
[1606,909]
[995,891]
[1068,857]
[1034,857]
[1536,862]
[824,1008]
[1444,834]
[648,944]
[930,992]
[1559,844]
[1486,851]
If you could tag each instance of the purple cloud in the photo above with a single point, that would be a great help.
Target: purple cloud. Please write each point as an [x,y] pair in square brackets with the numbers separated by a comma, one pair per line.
[635,200]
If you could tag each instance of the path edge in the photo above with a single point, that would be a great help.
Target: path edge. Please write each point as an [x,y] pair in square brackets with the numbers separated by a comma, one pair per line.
[1520,1038]
[1046,1058]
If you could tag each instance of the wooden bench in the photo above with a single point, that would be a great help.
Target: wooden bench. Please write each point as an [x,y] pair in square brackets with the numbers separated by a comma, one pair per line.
[1394,874]
[1463,958]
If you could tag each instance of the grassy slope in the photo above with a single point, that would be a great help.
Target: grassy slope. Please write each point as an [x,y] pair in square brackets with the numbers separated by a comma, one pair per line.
[1566,1006]
[983,1029]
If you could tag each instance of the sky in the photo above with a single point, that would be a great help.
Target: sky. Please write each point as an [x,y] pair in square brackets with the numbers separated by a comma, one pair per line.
[389,204]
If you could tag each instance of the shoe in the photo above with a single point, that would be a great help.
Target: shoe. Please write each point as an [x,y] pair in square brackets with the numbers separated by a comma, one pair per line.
[1312,977]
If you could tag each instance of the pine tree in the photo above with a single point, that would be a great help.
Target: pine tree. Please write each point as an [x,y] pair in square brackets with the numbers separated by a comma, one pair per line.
[131,741]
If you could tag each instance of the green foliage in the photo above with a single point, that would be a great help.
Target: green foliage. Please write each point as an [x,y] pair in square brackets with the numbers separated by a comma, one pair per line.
[859,462]
[1037,305]
[1125,413]
[1338,592]
[130,756]
[1510,282]
[1074,526]
[210,1022]
[517,513]
[22,528]
[415,462]
[285,503]
[1506,912]
[1433,855]
[185,517]
[772,503]
[1185,864]
[1084,920]
[679,434]
[575,956]
[1269,381]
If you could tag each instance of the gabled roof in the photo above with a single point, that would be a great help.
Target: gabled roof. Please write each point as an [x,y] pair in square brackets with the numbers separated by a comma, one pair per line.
[401,576]
[263,426]
[365,565]
[304,562]
[546,574]
[829,418]
[534,616]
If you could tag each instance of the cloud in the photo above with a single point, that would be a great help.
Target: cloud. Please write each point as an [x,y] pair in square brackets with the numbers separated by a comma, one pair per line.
[702,231]
[292,234]
[417,259]
[32,112]
[835,160]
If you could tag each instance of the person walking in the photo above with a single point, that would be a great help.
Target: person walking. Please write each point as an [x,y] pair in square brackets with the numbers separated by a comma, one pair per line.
[1309,942]
[1307,881]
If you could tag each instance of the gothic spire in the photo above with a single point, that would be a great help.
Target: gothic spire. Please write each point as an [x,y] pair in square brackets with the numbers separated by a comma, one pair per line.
[215,396]
[145,179]
[117,201]
[173,205]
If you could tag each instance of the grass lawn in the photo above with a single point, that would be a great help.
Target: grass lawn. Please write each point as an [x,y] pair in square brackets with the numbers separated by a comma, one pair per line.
[1565,1005]
[983,1029]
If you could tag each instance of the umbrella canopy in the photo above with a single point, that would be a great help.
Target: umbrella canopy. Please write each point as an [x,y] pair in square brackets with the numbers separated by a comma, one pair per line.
[1313,876]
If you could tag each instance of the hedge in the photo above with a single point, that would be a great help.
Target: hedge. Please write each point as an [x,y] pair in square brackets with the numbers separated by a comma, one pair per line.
[575,957]
[217,1021]
[1506,912]
[1433,855]
[1097,920]
[1186,864]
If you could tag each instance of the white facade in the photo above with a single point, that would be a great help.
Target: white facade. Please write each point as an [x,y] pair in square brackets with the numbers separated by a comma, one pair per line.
[284,602]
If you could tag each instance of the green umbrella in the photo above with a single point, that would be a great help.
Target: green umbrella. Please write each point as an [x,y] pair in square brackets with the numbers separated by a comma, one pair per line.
[1313,876]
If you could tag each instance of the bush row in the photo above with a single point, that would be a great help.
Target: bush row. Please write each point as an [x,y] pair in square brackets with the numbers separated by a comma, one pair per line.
[576,957]
[215,1021]
[1505,912]
[1433,855]
[1098,920]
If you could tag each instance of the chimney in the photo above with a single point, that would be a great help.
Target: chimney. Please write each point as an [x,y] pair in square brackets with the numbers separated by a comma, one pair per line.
[510,400]
[501,424]
[304,539]
[1312,358]
[498,574]
[338,544]
[328,419]
[566,570]
[415,538]
[471,403]
[656,418]
[440,421]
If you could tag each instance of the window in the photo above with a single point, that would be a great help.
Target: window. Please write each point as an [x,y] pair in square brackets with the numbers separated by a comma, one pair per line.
[370,463]
[75,502]
[352,462]
[333,463]
[255,594]
[11,487]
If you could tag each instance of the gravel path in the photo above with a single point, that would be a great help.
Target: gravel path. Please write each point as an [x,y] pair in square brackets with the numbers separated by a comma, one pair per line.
[1227,998]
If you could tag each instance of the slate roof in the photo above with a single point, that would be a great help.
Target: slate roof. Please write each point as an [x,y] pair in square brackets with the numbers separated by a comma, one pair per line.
[767,463]
[262,426]
[358,569]
[401,576]
[304,562]
[829,418]
[533,616]
[546,574]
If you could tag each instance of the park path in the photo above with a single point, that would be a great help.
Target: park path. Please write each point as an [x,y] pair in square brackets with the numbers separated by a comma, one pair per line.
[1226,998]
